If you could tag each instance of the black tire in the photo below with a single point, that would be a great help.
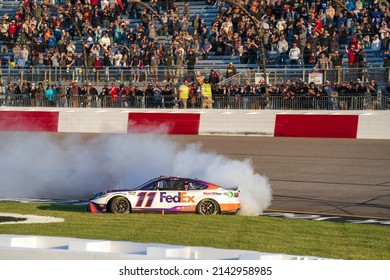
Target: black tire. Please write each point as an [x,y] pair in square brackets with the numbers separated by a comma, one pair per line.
[207,207]
[120,205]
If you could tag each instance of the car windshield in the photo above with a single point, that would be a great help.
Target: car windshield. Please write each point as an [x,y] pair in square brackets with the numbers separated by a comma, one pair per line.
[146,184]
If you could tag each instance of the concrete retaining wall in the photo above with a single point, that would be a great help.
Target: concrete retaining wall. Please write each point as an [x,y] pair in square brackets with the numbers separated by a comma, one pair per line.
[17,247]
[325,124]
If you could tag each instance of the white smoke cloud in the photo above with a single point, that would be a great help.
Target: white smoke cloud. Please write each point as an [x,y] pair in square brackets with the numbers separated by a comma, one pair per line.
[38,165]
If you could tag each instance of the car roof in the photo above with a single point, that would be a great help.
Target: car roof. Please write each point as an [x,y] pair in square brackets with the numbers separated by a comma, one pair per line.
[178,178]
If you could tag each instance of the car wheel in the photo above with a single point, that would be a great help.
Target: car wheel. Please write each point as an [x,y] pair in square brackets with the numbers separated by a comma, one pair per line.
[208,207]
[120,205]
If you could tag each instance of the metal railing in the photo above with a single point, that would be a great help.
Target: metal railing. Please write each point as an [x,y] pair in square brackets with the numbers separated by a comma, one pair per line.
[175,75]
[244,102]
[281,75]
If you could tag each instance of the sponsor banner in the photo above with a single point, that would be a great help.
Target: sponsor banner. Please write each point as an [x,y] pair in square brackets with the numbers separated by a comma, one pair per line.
[322,126]
[316,77]
[28,121]
[164,123]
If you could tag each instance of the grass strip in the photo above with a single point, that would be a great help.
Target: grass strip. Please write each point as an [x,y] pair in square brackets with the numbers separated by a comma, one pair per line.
[265,234]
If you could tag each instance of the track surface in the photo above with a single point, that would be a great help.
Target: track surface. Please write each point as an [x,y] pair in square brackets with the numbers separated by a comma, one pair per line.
[322,176]
[332,176]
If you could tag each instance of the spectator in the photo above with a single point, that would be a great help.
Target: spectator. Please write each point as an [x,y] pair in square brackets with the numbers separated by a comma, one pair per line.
[16,52]
[191,61]
[376,45]
[105,42]
[386,64]
[168,97]
[183,94]
[294,54]
[51,95]
[24,56]
[337,62]
[179,62]
[322,63]
[213,77]
[206,48]
[114,95]
[231,70]
[282,47]
[207,100]
[352,56]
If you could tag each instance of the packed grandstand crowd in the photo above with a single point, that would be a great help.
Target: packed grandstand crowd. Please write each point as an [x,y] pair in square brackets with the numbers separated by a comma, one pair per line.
[306,32]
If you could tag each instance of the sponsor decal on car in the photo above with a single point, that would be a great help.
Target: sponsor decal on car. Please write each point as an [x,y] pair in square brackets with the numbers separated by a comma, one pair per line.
[180,197]
[212,193]
[229,194]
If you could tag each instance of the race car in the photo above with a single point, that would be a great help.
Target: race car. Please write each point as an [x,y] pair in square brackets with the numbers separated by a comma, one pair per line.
[168,195]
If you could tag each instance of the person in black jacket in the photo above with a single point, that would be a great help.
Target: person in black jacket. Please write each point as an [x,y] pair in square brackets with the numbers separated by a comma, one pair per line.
[191,61]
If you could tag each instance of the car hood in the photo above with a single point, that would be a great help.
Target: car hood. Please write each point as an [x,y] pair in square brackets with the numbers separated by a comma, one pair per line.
[114,190]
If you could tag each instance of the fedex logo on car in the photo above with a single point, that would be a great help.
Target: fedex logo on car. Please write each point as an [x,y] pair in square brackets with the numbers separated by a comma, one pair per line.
[180,197]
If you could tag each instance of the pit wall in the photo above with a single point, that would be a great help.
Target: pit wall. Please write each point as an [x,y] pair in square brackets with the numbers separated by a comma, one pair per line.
[323,124]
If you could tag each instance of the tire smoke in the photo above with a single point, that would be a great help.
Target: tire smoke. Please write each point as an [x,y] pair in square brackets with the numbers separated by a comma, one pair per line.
[41,165]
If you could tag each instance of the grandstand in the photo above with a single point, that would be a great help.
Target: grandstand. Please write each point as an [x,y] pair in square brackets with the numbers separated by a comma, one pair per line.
[208,12]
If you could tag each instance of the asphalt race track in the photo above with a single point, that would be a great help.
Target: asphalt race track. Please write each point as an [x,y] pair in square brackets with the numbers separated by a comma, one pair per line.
[348,177]
[324,176]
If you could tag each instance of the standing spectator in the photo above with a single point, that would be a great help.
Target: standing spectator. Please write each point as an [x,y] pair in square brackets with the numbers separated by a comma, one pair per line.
[386,65]
[354,42]
[157,96]
[294,54]
[337,62]
[61,94]
[78,67]
[169,62]
[252,52]
[94,95]
[135,65]
[343,33]
[154,63]
[231,70]
[16,52]
[237,44]
[207,99]
[168,97]
[105,41]
[40,94]
[71,47]
[213,77]
[104,96]
[179,62]
[24,53]
[322,63]
[376,45]
[206,48]
[282,49]
[51,95]
[183,94]
[114,92]
[191,61]
[219,46]
[352,56]
[307,54]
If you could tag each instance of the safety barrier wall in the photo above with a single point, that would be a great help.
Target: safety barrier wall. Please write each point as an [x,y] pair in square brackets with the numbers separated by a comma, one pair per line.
[324,124]
[18,247]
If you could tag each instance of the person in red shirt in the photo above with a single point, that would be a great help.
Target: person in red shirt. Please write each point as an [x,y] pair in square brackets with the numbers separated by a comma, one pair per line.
[98,67]
[13,30]
[352,56]
[114,92]
[354,42]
